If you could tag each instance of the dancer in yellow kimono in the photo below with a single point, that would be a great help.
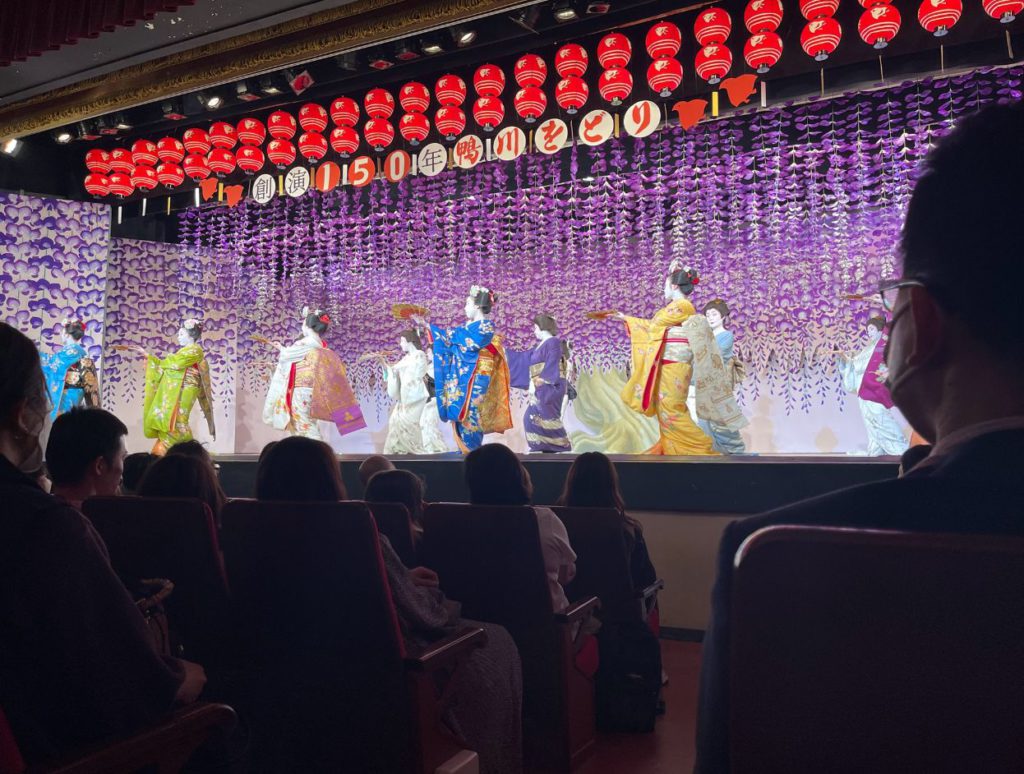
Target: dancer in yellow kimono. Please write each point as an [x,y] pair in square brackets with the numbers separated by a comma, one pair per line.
[669,351]
[172,387]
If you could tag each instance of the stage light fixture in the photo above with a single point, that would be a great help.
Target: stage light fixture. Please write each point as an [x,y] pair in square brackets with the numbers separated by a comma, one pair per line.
[380,62]
[563,11]
[11,147]
[87,131]
[527,18]
[404,52]
[596,8]
[173,110]
[298,80]
[431,45]
[121,123]
[463,36]
[209,101]
[62,136]
[348,61]
[269,87]
[105,126]
[245,93]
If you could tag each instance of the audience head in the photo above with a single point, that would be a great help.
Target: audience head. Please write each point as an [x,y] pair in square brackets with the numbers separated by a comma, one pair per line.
[495,476]
[592,483]
[300,470]
[24,405]
[191,449]
[266,450]
[397,486]
[86,453]
[182,475]
[135,467]
[961,243]
[371,466]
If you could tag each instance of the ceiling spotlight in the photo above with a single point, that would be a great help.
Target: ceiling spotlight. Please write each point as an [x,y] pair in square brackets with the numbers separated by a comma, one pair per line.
[563,11]
[87,131]
[298,80]
[244,93]
[62,136]
[269,87]
[348,61]
[463,36]
[598,8]
[431,45]
[404,52]
[527,18]
[121,123]
[105,126]
[172,110]
[11,147]
[209,101]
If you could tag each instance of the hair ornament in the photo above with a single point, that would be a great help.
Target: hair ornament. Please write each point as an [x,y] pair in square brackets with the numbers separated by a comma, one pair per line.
[325,318]
[190,323]
[478,289]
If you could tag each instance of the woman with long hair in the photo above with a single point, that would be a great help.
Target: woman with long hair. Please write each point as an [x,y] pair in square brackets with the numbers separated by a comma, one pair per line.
[299,469]
[184,475]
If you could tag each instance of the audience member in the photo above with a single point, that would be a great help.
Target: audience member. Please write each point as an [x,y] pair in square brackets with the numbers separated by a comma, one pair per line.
[85,455]
[135,467]
[593,482]
[487,697]
[266,450]
[956,370]
[398,486]
[195,449]
[372,465]
[78,664]
[495,476]
[184,475]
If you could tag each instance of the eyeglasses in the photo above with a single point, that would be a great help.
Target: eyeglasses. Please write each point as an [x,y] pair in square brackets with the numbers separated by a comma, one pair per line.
[889,290]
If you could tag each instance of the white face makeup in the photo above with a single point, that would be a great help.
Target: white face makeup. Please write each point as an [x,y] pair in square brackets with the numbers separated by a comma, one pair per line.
[405,344]
[668,289]
[873,333]
[66,339]
[714,318]
[183,338]
[537,332]
[471,309]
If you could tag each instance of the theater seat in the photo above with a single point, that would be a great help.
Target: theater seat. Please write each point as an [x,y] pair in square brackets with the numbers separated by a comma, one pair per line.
[332,688]
[489,559]
[394,523]
[857,651]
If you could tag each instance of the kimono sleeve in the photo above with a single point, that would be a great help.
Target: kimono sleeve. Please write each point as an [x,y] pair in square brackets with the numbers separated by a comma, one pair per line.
[519,368]
[550,359]
[206,395]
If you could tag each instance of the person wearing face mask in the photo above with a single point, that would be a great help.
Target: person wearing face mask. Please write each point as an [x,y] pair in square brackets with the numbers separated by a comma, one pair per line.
[173,385]
[956,375]
[542,371]
[413,424]
[78,664]
[864,374]
[310,384]
[70,373]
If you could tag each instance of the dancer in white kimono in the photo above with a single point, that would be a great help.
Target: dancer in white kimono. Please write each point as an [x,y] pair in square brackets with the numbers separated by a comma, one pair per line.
[414,425]
[864,374]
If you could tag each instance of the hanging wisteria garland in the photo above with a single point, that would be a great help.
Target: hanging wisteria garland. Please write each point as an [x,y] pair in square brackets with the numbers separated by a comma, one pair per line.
[783,212]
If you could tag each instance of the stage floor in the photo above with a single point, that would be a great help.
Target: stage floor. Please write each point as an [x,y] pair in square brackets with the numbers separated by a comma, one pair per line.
[727,485]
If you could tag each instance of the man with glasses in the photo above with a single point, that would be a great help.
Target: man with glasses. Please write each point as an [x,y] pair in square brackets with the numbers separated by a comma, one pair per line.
[955,360]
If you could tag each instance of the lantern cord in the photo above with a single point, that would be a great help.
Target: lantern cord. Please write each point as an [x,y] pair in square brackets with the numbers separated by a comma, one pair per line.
[1009,44]
[881,69]
[942,58]
[822,76]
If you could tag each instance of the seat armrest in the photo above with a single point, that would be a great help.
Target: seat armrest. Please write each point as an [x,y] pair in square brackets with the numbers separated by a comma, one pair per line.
[578,610]
[446,651]
[649,591]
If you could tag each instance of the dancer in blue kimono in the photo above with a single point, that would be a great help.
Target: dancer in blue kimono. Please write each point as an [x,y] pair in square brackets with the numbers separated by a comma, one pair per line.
[542,371]
[70,373]
[471,373]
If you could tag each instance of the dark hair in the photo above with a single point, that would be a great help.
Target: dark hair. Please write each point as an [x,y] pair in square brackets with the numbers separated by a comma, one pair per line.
[266,450]
[546,323]
[720,305]
[593,482]
[77,438]
[191,448]
[878,321]
[685,280]
[182,475]
[413,338]
[195,331]
[21,378]
[300,470]
[135,467]
[397,486]
[495,476]
[373,465]
[75,329]
[485,300]
[962,227]
[318,320]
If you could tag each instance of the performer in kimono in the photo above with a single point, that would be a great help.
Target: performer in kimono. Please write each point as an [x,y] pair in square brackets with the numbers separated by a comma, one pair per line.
[725,440]
[172,387]
[542,371]
[864,373]
[310,384]
[413,425]
[70,372]
[669,350]
[471,372]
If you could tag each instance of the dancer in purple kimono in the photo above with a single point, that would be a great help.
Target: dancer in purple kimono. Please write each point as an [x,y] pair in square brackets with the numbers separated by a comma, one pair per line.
[542,371]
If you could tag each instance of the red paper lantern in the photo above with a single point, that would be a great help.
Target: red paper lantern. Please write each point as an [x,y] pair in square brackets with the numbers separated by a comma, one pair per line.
[98,161]
[450,90]
[878,25]
[144,153]
[196,142]
[414,128]
[614,50]
[97,184]
[281,153]
[664,75]
[144,178]
[821,37]
[312,117]
[713,62]
[414,97]
[571,60]
[313,146]
[221,161]
[281,125]
[379,103]
[251,131]
[571,93]
[818,9]
[1003,10]
[939,16]
[345,111]
[531,70]
[196,167]
[121,161]
[712,26]
[615,85]
[250,159]
[344,140]
[121,185]
[763,50]
[222,135]
[762,16]
[450,122]
[530,103]
[170,175]
[488,112]
[663,39]
[379,133]
[170,150]
[489,80]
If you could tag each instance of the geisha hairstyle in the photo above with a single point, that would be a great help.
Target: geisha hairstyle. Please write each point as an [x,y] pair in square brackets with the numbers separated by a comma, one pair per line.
[193,328]
[685,279]
[316,320]
[413,338]
[546,323]
[878,321]
[719,305]
[483,298]
[75,329]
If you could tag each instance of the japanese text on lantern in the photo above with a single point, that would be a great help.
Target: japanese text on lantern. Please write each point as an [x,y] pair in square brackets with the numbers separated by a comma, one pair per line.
[469,151]
[264,188]
[551,135]
[432,159]
[642,118]
[597,127]
[296,182]
[509,143]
